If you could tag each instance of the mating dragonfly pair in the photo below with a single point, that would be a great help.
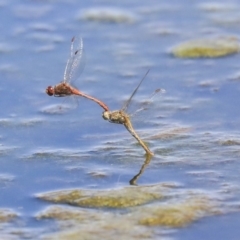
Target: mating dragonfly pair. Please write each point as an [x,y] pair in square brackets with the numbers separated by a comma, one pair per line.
[72,72]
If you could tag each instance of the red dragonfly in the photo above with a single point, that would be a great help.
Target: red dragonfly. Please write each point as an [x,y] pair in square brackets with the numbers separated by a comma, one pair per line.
[72,72]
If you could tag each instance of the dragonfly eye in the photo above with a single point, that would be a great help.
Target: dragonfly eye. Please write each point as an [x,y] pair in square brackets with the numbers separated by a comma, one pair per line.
[106,115]
[49,90]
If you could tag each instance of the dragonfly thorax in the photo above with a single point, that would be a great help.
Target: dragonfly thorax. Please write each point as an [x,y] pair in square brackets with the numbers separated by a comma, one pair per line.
[62,89]
[115,116]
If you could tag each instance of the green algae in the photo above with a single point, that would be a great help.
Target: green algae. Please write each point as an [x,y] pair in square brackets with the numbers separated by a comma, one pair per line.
[63,213]
[116,198]
[7,215]
[136,223]
[210,48]
[179,214]
[93,224]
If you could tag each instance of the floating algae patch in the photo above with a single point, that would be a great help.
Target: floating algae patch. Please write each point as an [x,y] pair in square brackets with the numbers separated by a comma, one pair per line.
[179,214]
[66,213]
[79,223]
[210,48]
[137,223]
[116,198]
[6,215]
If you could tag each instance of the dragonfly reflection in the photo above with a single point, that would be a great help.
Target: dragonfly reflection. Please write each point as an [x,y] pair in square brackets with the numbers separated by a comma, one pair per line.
[133,181]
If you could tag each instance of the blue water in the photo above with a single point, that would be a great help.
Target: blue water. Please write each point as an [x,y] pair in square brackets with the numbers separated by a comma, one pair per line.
[45,151]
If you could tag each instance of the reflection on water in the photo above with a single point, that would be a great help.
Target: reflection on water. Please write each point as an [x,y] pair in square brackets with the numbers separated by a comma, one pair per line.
[133,181]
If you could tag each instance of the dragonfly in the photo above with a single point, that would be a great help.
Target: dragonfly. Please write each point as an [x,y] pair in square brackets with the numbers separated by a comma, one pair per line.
[72,72]
[122,117]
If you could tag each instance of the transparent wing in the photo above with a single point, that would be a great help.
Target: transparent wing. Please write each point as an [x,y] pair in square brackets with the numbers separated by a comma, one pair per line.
[148,101]
[125,106]
[76,61]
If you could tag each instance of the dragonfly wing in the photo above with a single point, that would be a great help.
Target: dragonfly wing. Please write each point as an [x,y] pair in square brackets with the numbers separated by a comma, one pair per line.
[147,102]
[124,108]
[76,62]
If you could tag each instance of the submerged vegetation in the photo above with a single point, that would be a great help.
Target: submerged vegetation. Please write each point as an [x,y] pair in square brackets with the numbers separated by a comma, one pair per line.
[7,215]
[112,198]
[153,206]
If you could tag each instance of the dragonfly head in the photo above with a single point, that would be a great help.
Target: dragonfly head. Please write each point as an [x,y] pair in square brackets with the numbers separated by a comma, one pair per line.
[114,116]
[50,90]
[106,115]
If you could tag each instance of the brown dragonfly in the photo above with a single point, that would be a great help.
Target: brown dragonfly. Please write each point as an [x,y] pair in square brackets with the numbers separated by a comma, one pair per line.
[72,72]
[121,117]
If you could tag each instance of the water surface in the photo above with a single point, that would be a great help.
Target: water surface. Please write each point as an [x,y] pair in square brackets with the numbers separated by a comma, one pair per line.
[50,144]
